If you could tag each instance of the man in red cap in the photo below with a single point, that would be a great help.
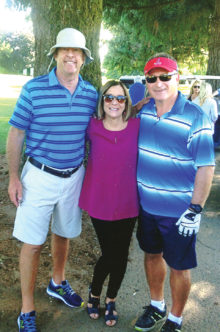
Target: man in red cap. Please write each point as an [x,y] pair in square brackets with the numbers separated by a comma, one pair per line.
[175,171]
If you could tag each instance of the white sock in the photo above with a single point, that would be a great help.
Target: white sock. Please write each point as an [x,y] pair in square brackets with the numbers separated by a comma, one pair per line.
[53,282]
[158,304]
[175,319]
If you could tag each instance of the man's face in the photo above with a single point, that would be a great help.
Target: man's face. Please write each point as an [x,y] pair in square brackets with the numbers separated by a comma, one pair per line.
[162,91]
[69,60]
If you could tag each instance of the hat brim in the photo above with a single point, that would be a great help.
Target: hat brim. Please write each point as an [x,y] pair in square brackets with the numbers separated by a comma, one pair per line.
[169,69]
[160,62]
[87,52]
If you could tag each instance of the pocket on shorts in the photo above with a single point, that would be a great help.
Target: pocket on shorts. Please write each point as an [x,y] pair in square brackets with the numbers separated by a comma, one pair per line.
[25,171]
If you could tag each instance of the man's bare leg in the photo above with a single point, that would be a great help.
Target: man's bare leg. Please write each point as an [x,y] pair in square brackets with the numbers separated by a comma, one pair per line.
[180,284]
[29,261]
[155,269]
[60,249]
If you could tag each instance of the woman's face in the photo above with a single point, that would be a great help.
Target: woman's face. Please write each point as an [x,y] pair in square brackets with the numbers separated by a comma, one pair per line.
[196,88]
[114,102]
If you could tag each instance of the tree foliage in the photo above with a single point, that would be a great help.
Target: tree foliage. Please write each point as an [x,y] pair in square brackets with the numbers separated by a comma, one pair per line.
[16,52]
[187,29]
[179,27]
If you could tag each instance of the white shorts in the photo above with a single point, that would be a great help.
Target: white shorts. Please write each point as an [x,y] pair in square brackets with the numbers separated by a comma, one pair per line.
[45,196]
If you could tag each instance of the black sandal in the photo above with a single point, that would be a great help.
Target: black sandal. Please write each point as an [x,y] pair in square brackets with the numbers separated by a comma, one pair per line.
[95,302]
[110,307]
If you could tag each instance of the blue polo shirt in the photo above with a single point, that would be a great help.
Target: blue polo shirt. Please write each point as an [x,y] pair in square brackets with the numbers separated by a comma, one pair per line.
[170,150]
[54,120]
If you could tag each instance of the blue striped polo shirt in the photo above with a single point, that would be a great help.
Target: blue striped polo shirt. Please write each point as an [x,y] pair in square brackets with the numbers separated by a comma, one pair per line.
[170,150]
[54,120]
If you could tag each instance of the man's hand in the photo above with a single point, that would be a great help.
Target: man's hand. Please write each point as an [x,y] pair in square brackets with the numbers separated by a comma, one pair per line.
[189,223]
[136,108]
[15,191]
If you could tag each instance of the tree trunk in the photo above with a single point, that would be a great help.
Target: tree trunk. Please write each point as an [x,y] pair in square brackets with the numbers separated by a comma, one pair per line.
[51,16]
[214,46]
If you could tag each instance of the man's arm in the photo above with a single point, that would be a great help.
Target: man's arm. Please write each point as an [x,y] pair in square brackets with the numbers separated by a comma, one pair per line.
[14,148]
[202,185]
[136,108]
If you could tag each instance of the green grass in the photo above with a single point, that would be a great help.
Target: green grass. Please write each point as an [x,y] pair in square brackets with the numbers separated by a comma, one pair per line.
[6,109]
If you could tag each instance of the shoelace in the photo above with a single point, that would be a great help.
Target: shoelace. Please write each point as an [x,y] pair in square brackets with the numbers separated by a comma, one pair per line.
[30,324]
[148,310]
[68,289]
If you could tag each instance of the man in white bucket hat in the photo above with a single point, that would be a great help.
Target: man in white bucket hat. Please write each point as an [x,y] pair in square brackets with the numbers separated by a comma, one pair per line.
[71,38]
[51,115]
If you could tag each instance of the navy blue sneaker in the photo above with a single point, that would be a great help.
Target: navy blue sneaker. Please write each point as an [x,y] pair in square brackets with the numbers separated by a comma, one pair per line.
[27,322]
[65,293]
[170,326]
[150,318]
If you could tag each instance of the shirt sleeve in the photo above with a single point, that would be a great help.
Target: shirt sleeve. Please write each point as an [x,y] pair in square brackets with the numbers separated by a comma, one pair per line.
[200,141]
[23,111]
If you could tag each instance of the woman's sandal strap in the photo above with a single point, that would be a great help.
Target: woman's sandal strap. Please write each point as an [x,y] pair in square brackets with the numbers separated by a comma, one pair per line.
[110,307]
[95,301]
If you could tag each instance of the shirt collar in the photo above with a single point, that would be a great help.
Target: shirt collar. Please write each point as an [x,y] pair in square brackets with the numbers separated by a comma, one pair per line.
[178,107]
[53,80]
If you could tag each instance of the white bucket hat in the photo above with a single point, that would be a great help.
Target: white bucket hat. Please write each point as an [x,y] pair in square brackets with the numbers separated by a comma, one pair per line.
[70,37]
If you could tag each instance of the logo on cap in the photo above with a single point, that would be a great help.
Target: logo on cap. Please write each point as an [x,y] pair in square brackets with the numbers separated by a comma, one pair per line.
[158,62]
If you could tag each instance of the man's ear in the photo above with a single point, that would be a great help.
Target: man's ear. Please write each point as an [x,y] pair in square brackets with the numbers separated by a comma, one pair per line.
[55,54]
[84,58]
[178,77]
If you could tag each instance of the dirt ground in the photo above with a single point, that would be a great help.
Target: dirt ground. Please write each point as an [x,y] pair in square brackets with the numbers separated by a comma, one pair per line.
[82,256]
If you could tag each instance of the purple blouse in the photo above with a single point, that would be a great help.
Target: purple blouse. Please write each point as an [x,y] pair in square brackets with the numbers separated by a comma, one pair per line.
[109,190]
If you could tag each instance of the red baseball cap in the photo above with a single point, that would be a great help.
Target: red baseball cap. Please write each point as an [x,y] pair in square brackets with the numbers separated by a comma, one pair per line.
[160,62]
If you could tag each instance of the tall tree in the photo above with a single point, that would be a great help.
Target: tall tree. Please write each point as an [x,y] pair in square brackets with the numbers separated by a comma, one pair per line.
[50,16]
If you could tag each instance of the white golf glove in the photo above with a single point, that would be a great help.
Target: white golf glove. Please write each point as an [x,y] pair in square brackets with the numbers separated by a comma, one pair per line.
[189,223]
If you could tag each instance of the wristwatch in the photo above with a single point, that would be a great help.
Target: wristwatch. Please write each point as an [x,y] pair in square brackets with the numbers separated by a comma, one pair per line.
[195,207]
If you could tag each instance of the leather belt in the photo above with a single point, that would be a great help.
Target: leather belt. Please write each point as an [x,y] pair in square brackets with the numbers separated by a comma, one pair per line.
[43,167]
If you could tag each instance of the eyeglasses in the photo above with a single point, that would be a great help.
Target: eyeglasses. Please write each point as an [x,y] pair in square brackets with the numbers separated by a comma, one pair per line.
[109,98]
[162,78]
[196,87]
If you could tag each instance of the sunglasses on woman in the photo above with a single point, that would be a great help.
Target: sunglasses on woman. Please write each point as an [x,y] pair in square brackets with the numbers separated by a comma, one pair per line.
[162,78]
[196,87]
[109,98]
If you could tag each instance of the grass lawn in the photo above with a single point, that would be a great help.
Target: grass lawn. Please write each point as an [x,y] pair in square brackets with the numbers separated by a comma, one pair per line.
[6,109]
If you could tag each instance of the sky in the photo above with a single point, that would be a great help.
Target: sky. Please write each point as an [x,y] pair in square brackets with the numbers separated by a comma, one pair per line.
[12,20]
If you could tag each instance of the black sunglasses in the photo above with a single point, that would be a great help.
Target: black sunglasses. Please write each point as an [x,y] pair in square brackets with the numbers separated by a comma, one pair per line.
[196,86]
[109,98]
[162,78]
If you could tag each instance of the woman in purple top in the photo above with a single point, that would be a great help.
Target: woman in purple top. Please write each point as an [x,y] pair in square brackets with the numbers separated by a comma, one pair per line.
[109,192]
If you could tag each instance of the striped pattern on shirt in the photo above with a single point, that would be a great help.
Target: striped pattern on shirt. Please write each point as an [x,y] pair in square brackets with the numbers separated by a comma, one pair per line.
[170,150]
[54,120]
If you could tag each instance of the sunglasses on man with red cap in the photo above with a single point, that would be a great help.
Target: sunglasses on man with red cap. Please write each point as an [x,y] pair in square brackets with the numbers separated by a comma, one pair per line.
[163,77]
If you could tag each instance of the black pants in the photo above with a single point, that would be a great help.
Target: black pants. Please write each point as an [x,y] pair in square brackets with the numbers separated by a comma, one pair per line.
[114,239]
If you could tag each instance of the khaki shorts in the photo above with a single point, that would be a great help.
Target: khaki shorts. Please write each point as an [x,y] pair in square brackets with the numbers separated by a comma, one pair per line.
[46,198]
